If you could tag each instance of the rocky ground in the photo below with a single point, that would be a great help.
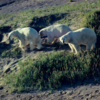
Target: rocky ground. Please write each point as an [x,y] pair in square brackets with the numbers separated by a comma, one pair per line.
[89,90]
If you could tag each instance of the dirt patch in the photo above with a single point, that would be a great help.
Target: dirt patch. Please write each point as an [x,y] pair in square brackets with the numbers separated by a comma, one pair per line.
[15,6]
[79,91]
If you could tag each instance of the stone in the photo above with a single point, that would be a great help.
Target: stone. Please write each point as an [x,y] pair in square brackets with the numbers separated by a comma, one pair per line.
[6,69]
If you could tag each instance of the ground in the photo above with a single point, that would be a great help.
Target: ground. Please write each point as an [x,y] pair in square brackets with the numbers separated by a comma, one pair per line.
[15,6]
[89,90]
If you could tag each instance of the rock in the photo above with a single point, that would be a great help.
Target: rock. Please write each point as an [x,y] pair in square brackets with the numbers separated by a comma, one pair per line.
[96,91]
[62,92]
[27,98]
[2,95]
[6,69]
[70,93]
[87,95]
[1,87]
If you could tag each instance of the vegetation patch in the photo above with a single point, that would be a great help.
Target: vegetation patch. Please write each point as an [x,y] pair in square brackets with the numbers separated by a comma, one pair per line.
[9,48]
[12,52]
[52,70]
[70,0]
[92,21]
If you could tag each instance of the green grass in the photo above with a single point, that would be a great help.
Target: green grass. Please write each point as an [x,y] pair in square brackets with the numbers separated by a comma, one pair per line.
[13,52]
[92,20]
[10,50]
[50,71]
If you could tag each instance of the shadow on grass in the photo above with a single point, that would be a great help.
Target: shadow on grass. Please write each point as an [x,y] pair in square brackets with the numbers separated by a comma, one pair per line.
[41,22]
[3,31]
[98,42]
[44,21]
[49,48]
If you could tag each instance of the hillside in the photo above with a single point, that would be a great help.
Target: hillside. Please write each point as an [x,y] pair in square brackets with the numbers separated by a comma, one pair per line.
[39,14]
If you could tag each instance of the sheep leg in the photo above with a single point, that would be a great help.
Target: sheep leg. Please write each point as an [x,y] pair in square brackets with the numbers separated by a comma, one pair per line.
[22,44]
[88,47]
[39,46]
[32,47]
[76,48]
[50,40]
[94,46]
[71,46]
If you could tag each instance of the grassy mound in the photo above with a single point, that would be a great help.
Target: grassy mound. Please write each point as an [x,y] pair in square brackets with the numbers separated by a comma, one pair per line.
[52,70]
[92,20]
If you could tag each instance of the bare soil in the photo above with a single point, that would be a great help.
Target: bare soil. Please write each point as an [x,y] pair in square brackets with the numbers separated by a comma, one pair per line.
[88,90]
[15,6]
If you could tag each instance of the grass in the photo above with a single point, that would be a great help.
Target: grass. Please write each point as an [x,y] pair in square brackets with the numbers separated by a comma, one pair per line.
[52,70]
[92,20]
[13,52]
[10,50]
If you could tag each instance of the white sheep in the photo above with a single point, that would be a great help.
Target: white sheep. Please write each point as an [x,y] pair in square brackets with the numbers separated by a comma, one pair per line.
[26,35]
[83,36]
[54,32]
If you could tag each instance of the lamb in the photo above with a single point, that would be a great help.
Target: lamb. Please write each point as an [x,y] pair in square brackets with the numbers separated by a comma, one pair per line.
[26,35]
[54,32]
[83,36]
